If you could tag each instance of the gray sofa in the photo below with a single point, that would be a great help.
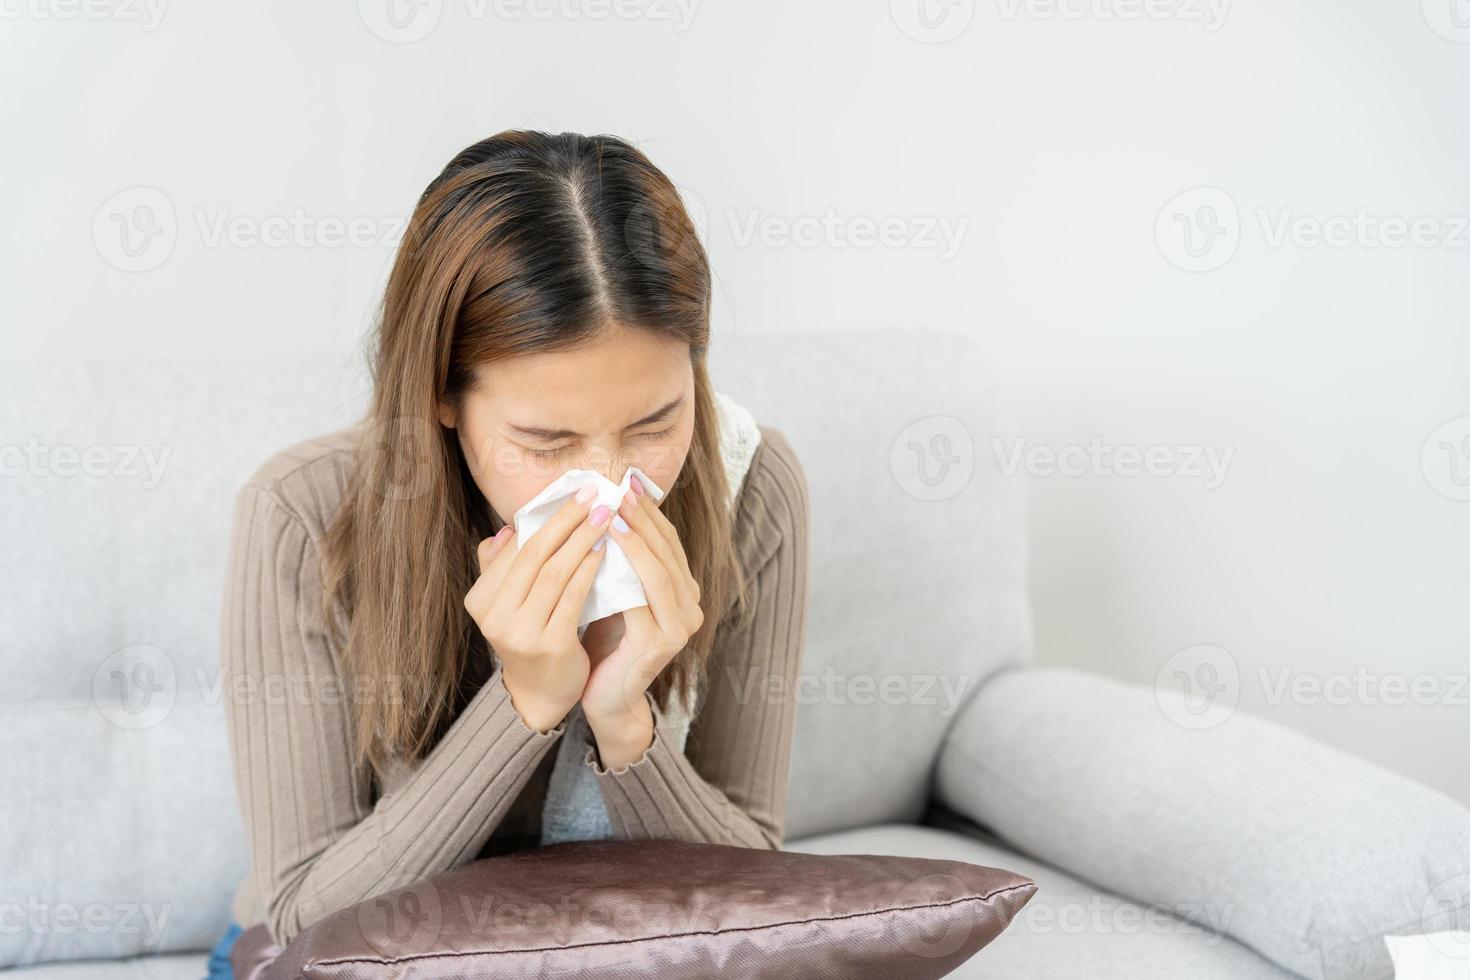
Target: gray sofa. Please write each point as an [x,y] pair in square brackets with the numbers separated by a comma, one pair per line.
[1239,850]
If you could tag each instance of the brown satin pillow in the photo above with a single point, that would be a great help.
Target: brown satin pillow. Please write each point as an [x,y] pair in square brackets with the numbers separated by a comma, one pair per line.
[663,908]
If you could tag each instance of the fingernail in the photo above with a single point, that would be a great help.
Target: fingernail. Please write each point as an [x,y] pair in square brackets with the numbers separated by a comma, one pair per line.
[586,493]
[620,524]
[599,515]
[597,545]
[500,535]
[637,486]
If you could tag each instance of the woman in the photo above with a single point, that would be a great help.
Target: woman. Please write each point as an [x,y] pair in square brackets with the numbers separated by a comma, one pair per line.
[401,669]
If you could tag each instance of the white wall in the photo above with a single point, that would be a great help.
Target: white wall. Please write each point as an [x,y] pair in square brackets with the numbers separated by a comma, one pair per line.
[1051,137]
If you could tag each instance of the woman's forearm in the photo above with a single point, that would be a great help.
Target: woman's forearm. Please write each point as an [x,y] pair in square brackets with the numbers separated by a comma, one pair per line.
[622,740]
[729,786]
[319,840]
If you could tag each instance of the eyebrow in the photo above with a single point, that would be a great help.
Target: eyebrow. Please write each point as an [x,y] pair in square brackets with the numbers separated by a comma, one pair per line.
[551,435]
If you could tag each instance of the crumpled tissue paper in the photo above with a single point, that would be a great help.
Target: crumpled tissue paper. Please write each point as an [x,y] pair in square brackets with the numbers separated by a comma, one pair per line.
[616,586]
[1439,956]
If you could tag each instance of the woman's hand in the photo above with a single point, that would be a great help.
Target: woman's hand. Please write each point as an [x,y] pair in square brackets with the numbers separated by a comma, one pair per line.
[527,602]
[652,635]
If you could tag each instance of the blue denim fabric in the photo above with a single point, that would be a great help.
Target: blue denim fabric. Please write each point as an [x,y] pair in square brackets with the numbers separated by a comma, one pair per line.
[219,957]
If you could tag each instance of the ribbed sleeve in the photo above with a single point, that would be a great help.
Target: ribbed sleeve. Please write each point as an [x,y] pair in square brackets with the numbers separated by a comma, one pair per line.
[729,786]
[318,839]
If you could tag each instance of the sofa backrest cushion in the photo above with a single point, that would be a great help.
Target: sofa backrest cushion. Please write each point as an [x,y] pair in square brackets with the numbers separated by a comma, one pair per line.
[917,553]
[119,830]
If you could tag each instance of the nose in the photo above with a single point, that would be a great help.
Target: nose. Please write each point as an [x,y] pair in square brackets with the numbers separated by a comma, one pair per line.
[606,472]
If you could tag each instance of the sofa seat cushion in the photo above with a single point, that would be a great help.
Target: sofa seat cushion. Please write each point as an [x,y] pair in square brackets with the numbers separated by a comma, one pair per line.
[175,966]
[1069,929]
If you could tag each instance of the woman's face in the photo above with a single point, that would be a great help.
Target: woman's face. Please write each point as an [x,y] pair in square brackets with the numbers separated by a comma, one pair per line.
[625,400]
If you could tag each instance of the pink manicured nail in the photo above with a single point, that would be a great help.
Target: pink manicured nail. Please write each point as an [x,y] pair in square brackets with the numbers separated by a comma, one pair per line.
[586,493]
[600,543]
[600,514]
[636,485]
[500,535]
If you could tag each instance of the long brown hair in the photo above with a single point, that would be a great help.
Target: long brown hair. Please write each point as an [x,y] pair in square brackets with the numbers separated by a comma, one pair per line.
[525,242]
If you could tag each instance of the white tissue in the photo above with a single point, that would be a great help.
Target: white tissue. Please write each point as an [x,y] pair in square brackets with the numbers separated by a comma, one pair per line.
[616,586]
[1439,956]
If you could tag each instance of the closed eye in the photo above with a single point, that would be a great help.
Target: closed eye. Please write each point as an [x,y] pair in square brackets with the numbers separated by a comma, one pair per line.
[551,453]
